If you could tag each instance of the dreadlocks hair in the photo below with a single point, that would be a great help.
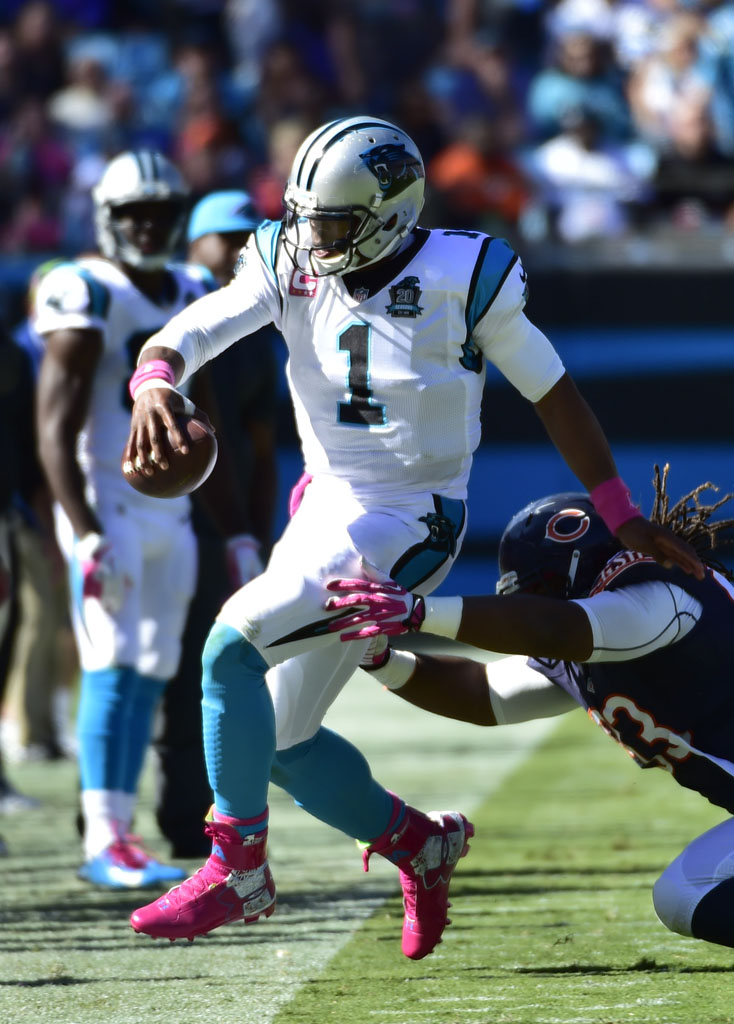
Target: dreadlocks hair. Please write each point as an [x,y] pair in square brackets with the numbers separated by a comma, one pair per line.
[689,519]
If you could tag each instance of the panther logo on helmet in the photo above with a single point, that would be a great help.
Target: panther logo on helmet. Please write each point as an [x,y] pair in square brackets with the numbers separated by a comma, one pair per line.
[394,168]
[332,182]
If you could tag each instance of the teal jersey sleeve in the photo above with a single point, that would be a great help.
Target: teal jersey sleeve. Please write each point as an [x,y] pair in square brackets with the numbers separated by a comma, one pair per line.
[266,240]
[496,260]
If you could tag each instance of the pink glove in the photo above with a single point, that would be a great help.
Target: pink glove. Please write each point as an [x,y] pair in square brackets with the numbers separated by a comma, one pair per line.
[102,578]
[389,608]
[243,559]
[296,496]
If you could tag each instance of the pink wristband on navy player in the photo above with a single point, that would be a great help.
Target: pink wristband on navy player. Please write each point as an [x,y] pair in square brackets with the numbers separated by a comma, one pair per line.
[156,369]
[612,501]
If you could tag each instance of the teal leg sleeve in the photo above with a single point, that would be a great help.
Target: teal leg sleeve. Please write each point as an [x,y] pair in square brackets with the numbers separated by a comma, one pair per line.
[239,724]
[331,779]
[103,725]
[146,696]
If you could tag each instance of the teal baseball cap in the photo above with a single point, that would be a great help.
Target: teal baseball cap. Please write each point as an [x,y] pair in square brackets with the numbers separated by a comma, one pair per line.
[222,213]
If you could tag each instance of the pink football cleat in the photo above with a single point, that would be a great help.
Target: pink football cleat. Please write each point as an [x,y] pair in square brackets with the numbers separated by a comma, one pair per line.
[235,884]
[426,848]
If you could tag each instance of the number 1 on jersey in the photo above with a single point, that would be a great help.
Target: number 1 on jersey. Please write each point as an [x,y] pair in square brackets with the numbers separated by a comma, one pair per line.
[359,410]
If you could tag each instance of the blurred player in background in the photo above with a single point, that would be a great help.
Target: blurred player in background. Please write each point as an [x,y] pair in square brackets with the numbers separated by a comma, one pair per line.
[647,651]
[20,476]
[244,379]
[244,386]
[388,327]
[44,669]
[5,585]
[131,558]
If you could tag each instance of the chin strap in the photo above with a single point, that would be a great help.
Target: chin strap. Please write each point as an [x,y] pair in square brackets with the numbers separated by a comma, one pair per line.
[573,568]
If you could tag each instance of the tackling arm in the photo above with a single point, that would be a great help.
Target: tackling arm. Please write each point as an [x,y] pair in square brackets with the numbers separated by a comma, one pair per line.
[502,692]
[450,687]
[619,625]
[541,627]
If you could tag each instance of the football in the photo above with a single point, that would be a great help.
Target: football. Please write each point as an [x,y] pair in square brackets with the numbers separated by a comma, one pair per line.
[185,472]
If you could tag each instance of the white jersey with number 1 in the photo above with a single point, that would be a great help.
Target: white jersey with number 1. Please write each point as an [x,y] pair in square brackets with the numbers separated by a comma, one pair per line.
[386,379]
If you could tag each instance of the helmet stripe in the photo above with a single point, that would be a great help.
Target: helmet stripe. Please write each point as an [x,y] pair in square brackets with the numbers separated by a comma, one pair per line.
[339,128]
[316,138]
[149,167]
[138,156]
[157,170]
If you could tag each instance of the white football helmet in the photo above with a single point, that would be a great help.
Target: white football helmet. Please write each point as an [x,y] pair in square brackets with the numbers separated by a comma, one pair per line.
[360,170]
[136,177]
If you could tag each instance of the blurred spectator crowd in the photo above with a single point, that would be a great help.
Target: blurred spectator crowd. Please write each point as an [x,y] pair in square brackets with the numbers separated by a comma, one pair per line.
[568,120]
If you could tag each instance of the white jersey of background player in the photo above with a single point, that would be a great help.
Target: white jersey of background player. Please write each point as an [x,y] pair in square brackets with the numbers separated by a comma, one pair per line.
[93,294]
[388,328]
[132,558]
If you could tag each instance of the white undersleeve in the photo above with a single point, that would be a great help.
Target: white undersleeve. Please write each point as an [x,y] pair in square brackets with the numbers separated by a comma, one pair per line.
[519,694]
[636,620]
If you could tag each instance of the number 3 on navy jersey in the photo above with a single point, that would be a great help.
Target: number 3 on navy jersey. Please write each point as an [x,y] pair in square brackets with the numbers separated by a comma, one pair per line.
[359,410]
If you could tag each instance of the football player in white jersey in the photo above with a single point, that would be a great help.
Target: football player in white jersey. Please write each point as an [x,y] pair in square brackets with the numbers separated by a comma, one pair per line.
[132,558]
[389,327]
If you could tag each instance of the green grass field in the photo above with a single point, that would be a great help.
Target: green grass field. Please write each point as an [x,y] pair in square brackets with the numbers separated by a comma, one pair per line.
[553,917]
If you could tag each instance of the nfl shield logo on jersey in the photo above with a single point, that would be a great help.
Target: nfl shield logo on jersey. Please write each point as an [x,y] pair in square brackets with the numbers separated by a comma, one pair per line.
[404,298]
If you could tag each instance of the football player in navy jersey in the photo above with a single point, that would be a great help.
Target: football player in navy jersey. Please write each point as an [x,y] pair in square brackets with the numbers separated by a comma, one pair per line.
[389,328]
[630,641]
[131,558]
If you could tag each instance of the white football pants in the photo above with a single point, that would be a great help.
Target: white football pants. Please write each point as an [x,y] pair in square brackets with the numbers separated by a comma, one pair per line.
[156,546]
[704,863]
[282,612]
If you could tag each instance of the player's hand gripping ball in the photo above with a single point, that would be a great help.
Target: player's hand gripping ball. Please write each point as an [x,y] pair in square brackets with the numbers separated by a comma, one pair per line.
[185,472]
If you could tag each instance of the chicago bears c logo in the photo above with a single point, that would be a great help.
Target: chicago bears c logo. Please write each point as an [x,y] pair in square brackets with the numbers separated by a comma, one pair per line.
[567,525]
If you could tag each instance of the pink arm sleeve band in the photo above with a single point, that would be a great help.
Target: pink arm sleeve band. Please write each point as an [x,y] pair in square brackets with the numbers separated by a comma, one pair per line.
[612,501]
[156,369]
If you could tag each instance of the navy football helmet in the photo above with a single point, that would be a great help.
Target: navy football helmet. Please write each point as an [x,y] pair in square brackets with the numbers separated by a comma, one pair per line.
[555,546]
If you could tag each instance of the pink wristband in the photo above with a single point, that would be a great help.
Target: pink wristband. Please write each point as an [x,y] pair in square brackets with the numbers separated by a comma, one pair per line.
[156,369]
[611,500]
